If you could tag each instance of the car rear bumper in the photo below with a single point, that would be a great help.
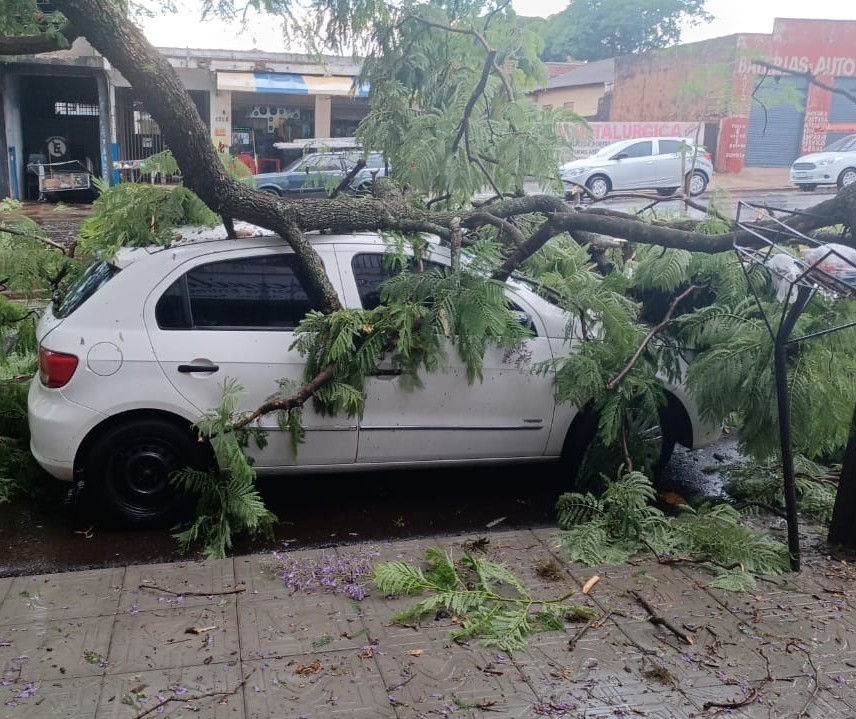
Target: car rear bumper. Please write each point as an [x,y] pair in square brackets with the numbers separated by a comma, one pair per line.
[57,427]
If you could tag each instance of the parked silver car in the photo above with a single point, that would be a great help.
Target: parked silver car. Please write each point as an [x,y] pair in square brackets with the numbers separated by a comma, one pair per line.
[835,165]
[314,174]
[645,163]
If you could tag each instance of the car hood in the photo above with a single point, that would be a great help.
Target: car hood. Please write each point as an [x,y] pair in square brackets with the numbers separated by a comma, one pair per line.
[584,164]
[817,156]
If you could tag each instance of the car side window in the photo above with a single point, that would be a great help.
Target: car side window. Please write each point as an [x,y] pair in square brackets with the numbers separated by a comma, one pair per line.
[668,147]
[639,149]
[250,293]
[370,271]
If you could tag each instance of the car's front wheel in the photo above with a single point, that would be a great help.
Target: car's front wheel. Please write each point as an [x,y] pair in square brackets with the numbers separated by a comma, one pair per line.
[585,459]
[599,186]
[666,191]
[847,178]
[698,183]
[127,471]
[807,187]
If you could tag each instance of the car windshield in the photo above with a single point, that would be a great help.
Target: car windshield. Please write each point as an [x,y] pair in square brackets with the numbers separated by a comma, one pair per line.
[609,150]
[844,144]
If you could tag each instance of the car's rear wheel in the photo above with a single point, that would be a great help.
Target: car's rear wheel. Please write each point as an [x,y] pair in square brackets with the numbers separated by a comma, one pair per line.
[128,469]
[807,187]
[272,191]
[599,186]
[847,178]
[666,191]
[698,183]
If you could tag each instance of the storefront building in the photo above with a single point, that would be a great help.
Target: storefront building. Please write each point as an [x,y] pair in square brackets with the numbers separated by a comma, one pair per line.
[753,116]
[72,107]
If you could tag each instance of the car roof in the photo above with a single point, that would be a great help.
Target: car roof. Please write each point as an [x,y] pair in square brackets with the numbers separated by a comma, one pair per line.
[193,241]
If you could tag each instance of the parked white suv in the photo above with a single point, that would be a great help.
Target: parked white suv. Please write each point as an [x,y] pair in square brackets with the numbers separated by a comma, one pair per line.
[645,163]
[139,348]
[835,165]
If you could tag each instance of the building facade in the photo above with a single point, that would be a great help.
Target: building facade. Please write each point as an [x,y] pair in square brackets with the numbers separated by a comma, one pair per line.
[753,116]
[72,107]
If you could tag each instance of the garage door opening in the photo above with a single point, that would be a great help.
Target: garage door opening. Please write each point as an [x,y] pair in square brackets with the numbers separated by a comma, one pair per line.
[60,123]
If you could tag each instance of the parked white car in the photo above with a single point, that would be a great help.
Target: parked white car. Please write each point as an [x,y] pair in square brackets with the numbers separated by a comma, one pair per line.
[139,348]
[836,165]
[646,163]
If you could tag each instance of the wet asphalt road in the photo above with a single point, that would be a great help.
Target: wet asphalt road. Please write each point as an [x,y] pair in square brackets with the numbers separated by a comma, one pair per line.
[49,535]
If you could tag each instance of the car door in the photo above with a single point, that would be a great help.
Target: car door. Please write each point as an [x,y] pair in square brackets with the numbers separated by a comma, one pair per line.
[507,415]
[672,161]
[232,316]
[634,167]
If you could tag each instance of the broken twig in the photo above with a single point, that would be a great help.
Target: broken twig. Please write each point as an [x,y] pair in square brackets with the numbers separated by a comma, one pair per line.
[655,618]
[156,588]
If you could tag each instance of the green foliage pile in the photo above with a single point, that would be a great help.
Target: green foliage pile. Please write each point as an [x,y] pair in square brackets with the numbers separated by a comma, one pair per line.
[139,215]
[491,602]
[28,268]
[760,487]
[228,501]
[623,522]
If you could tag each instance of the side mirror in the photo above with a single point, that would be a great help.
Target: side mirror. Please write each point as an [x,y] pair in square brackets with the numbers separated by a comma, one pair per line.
[621,156]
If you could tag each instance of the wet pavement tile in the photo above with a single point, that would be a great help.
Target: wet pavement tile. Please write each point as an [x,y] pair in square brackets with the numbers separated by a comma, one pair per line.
[213,691]
[5,584]
[186,584]
[337,684]
[174,637]
[55,649]
[301,624]
[436,676]
[62,596]
[72,698]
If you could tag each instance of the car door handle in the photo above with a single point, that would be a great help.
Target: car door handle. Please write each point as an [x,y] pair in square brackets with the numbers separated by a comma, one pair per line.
[187,368]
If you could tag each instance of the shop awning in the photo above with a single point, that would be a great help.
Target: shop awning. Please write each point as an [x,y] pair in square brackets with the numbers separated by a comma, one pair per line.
[280,83]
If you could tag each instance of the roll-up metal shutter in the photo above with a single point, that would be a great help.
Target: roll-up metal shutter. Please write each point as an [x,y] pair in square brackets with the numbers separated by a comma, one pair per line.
[843,109]
[776,122]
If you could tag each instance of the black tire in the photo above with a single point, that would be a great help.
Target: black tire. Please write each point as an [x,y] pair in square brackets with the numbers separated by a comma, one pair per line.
[599,186]
[272,191]
[127,472]
[807,188]
[582,439]
[666,191]
[847,177]
[697,183]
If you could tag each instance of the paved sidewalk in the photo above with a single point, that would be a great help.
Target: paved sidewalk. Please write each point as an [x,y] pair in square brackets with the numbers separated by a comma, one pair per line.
[115,643]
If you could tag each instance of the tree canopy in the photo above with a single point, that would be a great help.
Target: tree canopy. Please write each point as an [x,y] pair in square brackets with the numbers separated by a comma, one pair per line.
[600,29]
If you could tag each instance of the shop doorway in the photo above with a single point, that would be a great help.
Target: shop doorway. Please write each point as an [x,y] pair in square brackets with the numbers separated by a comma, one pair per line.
[60,126]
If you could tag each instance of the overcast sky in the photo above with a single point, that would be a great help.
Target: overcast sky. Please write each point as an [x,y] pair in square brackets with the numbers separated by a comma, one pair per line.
[731,16]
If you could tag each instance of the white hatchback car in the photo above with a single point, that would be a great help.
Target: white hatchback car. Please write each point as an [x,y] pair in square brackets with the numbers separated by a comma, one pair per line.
[138,349]
[645,163]
[835,165]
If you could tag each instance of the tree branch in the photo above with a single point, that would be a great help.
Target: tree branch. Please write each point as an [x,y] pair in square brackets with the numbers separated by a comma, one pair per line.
[349,178]
[49,41]
[667,318]
[287,403]
[810,76]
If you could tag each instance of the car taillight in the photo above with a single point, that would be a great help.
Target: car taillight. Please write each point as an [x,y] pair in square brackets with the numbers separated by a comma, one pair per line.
[707,156]
[55,368]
